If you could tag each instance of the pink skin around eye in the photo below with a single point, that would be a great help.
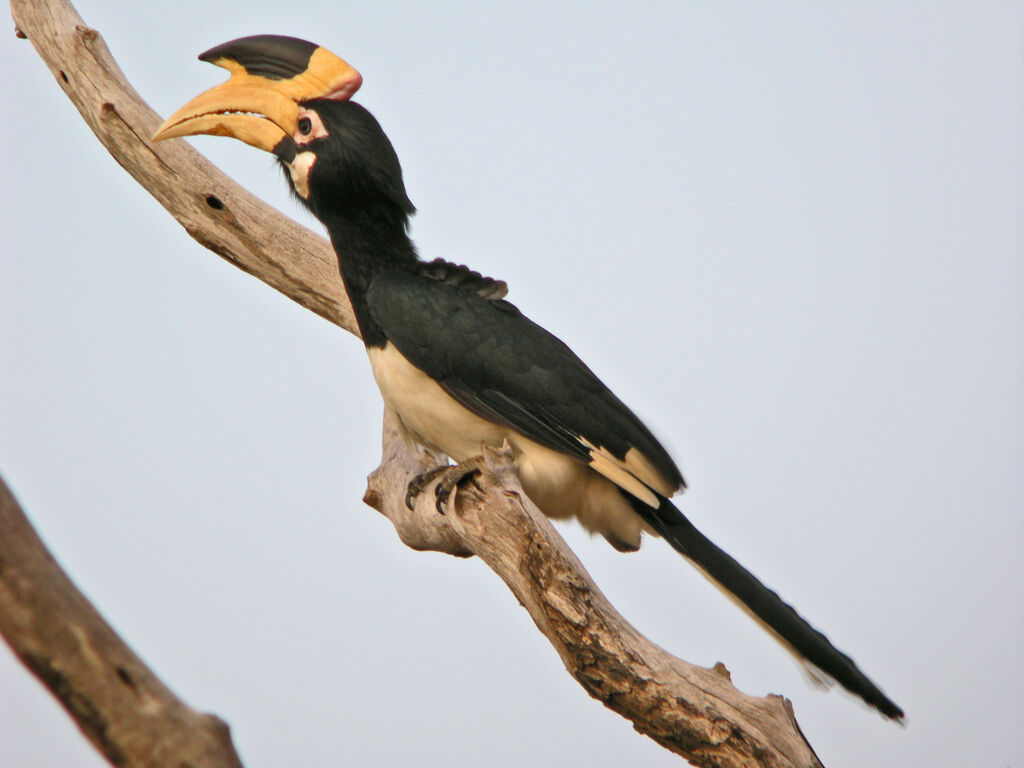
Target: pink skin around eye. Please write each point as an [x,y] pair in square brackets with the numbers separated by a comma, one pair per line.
[318,131]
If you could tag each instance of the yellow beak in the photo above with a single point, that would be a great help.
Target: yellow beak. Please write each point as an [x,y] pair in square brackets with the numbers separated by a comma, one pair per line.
[259,104]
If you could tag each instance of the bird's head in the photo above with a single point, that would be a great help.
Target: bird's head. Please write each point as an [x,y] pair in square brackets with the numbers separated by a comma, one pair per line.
[292,98]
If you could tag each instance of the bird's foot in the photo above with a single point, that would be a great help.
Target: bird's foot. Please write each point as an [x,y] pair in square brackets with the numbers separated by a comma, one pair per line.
[420,482]
[451,479]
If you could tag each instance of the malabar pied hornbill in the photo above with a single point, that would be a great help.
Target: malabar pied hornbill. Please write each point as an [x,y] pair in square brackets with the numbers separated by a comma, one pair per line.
[458,364]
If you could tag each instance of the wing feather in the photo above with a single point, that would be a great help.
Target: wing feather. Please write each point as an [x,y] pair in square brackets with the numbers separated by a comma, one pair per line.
[508,370]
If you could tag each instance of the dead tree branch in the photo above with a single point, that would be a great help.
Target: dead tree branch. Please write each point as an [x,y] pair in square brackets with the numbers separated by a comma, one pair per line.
[692,711]
[119,704]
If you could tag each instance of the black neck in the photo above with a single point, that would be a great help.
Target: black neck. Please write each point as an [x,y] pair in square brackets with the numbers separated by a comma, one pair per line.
[367,241]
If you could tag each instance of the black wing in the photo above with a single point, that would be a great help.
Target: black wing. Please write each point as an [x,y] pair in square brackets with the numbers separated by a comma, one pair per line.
[509,370]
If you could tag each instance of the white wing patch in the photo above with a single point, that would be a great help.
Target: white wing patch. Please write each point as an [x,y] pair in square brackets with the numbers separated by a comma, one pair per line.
[634,474]
[641,466]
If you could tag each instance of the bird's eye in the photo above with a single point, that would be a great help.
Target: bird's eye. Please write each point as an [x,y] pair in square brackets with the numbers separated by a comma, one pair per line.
[305,126]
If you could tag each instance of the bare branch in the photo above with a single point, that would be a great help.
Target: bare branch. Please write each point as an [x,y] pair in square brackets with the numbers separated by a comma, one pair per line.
[120,705]
[694,712]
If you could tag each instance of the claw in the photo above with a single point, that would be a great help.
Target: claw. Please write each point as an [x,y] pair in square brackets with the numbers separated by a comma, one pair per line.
[452,479]
[421,481]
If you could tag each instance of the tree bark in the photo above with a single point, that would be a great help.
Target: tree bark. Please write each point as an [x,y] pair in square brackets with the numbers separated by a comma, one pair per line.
[131,717]
[692,711]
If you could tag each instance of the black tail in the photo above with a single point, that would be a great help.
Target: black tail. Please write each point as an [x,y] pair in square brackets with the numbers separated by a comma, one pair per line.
[763,603]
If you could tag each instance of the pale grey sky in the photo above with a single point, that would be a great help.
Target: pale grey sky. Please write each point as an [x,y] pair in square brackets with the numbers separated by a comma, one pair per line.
[791,237]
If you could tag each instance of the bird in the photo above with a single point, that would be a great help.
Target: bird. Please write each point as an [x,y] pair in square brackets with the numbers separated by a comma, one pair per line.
[459,365]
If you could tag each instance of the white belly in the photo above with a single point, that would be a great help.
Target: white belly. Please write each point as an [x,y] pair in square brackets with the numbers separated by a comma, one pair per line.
[558,484]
